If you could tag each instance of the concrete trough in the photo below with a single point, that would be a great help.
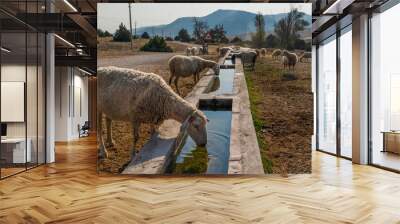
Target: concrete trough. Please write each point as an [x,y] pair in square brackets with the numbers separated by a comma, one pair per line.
[244,153]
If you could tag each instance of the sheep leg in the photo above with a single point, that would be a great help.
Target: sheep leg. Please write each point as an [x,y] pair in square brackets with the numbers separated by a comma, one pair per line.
[176,85]
[103,153]
[170,79]
[109,141]
[135,133]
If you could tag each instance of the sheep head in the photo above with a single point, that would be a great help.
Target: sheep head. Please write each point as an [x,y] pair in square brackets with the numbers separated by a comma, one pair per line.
[197,128]
[216,69]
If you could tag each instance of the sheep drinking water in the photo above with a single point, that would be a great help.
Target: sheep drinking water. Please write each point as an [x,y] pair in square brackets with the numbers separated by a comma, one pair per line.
[138,97]
[184,66]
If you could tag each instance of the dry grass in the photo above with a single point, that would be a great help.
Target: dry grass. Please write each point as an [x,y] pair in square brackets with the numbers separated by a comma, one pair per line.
[119,155]
[283,115]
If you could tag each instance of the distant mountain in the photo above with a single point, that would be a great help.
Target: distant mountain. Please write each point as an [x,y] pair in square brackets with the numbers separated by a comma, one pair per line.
[236,23]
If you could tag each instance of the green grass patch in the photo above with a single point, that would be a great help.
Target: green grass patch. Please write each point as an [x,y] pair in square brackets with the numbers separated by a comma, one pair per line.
[256,98]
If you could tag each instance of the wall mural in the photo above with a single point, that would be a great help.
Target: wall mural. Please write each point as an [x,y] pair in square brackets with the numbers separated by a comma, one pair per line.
[199,89]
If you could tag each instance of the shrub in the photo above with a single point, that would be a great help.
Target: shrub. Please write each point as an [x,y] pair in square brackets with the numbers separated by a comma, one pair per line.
[145,35]
[122,34]
[168,39]
[156,44]
[288,77]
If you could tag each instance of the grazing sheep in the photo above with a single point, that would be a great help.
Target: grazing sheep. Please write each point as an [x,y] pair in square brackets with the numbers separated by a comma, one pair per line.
[184,66]
[291,57]
[306,56]
[224,50]
[188,51]
[194,51]
[248,58]
[285,61]
[263,52]
[139,97]
[276,53]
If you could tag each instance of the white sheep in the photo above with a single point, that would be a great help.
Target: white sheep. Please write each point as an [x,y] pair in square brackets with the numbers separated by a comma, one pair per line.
[194,51]
[188,51]
[224,50]
[306,56]
[276,53]
[285,61]
[291,57]
[263,52]
[248,57]
[184,66]
[138,97]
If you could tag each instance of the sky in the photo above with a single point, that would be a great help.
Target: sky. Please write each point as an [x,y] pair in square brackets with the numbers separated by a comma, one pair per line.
[110,15]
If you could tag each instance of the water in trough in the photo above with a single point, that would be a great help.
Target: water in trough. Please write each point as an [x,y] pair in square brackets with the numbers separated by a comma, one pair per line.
[212,159]
[225,77]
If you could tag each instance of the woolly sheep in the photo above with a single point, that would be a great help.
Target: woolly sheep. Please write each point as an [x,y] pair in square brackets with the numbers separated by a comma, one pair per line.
[263,52]
[194,51]
[285,61]
[188,51]
[224,50]
[305,56]
[291,57]
[138,97]
[248,58]
[184,66]
[276,53]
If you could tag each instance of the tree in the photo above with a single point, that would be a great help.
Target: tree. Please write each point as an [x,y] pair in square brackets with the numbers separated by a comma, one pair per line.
[236,40]
[183,35]
[100,33]
[122,34]
[156,44]
[271,41]
[259,37]
[287,29]
[217,34]
[169,39]
[107,34]
[145,35]
[199,30]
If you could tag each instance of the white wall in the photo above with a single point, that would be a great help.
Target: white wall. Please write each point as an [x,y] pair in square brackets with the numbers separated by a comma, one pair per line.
[70,83]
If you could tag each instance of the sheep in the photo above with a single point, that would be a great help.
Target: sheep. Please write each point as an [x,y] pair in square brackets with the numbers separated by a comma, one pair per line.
[248,58]
[263,52]
[276,53]
[188,51]
[139,97]
[305,55]
[194,51]
[184,66]
[291,57]
[224,50]
[285,61]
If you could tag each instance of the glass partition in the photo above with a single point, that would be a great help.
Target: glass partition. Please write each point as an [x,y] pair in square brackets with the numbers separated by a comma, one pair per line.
[385,89]
[327,95]
[346,92]
[22,88]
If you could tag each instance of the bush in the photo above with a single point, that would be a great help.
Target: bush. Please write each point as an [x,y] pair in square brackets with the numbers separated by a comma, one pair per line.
[288,77]
[122,34]
[145,35]
[156,44]
[168,39]
[236,40]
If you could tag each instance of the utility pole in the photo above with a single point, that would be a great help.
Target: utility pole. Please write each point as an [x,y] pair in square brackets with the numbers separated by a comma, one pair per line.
[130,24]
[135,28]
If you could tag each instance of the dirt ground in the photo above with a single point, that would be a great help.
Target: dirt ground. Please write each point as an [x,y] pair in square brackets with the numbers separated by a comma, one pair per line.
[282,109]
[119,155]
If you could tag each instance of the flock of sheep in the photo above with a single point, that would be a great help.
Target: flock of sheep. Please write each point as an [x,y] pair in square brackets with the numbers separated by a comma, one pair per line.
[193,51]
[138,97]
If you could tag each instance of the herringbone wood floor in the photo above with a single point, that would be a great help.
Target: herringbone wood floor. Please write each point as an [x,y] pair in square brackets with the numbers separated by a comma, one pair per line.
[70,191]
